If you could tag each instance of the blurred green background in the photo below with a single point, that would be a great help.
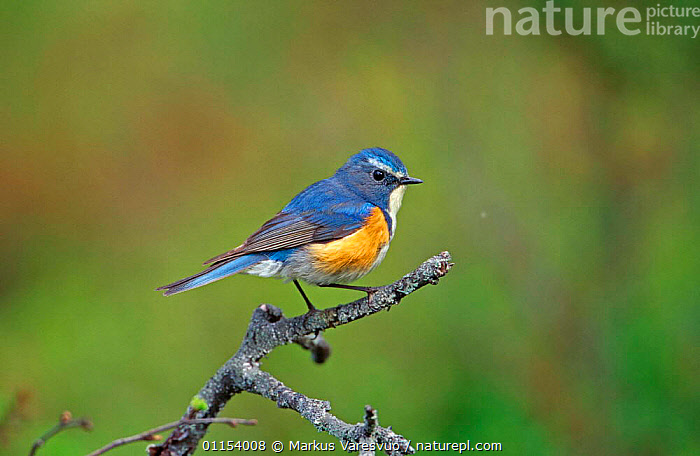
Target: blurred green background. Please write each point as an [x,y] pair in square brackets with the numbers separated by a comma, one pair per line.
[140,138]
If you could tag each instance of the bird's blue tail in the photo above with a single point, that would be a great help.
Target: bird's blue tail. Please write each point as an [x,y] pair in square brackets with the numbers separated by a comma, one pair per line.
[211,274]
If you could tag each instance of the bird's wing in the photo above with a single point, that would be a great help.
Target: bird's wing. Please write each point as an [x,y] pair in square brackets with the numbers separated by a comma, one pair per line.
[294,228]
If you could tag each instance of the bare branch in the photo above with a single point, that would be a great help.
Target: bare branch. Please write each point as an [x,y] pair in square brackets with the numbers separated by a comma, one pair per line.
[152,434]
[65,421]
[269,329]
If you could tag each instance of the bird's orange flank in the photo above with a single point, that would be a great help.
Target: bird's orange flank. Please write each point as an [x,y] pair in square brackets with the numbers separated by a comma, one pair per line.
[357,251]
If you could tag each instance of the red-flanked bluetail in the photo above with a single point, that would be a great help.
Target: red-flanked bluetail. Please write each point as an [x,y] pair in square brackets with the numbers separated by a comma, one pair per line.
[334,232]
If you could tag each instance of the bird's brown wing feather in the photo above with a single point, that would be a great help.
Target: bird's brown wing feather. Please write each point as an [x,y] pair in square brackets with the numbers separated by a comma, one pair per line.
[285,231]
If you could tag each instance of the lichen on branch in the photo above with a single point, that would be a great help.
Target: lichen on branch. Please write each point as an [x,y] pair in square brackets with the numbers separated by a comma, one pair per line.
[268,329]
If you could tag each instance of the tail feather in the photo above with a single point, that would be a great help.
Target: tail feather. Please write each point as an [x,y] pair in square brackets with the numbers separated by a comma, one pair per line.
[211,274]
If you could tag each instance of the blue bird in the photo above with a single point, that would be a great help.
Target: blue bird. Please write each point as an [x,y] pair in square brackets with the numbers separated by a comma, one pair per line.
[334,232]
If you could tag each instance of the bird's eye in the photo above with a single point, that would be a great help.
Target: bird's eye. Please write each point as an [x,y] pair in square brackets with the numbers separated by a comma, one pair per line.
[378,175]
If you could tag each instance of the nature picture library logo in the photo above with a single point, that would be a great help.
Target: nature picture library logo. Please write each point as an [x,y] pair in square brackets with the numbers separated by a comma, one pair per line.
[659,20]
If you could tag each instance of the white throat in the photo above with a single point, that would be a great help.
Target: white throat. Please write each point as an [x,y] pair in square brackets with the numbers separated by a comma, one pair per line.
[394,205]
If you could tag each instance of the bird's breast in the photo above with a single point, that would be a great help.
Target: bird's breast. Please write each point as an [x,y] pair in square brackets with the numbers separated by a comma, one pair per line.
[356,253]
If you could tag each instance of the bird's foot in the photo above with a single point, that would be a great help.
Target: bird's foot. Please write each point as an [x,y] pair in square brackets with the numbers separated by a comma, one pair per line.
[370,293]
[311,307]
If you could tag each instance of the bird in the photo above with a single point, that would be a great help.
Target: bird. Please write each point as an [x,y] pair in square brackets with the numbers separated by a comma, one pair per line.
[332,233]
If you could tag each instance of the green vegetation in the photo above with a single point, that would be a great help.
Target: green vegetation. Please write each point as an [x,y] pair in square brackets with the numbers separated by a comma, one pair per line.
[139,139]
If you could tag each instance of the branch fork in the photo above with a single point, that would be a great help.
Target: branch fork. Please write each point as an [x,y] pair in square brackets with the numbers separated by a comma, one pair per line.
[269,329]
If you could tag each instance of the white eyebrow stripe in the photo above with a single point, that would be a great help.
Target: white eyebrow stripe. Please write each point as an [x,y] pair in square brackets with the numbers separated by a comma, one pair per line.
[386,168]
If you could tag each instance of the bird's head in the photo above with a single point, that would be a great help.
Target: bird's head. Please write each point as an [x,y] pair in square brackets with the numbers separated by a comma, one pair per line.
[377,175]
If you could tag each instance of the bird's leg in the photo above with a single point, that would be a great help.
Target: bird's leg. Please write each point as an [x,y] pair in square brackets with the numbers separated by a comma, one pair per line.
[303,295]
[311,307]
[369,290]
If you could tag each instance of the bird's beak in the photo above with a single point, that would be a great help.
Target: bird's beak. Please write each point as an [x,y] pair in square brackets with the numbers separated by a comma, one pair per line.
[409,180]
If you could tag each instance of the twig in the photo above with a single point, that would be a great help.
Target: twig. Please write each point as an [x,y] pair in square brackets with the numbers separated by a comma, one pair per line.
[65,421]
[269,329]
[371,420]
[369,429]
[317,345]
[152,434]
